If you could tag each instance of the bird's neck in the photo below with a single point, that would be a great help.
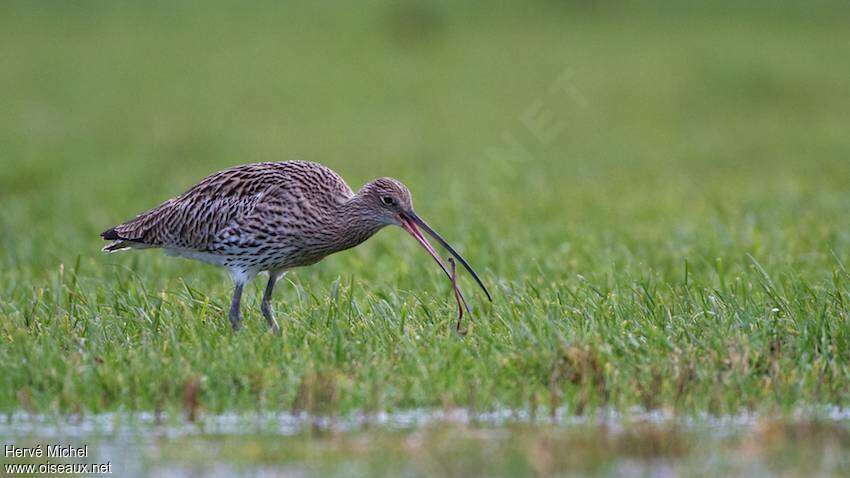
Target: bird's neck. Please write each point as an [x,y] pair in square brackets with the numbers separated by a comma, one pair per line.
[355,222]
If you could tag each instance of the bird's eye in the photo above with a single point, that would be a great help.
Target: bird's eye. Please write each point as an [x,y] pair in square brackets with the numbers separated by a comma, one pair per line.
[388,200]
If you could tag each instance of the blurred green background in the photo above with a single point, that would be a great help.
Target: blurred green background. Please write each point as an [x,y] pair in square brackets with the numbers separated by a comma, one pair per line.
[722,111]
[679,121]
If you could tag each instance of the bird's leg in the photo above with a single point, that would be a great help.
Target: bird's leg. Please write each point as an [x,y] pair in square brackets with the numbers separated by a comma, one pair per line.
[265,306]
[235,314]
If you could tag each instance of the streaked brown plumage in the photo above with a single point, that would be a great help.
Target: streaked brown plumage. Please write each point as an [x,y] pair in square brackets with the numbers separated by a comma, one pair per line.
[273,217]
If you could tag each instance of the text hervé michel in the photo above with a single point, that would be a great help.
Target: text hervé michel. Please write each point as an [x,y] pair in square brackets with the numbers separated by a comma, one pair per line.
[56,450]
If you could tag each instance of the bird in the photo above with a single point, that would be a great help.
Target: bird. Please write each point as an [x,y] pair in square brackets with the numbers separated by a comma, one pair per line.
[275,216]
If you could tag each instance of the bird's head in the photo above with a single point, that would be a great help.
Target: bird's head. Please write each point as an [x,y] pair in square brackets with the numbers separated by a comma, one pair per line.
[388,201]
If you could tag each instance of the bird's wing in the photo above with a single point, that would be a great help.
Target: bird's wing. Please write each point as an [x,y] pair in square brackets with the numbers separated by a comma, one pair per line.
[194,219]
[225,206]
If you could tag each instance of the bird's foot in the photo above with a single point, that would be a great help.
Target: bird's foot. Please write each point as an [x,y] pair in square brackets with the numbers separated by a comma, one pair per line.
[267,313]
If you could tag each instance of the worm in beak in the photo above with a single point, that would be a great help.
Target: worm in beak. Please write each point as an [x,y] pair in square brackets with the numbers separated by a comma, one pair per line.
[411,223]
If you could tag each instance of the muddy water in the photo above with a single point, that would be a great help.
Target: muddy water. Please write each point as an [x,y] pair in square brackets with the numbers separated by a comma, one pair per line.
[437,443]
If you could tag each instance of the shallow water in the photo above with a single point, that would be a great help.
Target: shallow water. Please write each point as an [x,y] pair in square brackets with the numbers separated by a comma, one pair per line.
[288,424]
[423,442]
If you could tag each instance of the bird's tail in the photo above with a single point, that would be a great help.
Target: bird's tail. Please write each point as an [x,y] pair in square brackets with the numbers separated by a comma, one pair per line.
[116,246]
[119,242]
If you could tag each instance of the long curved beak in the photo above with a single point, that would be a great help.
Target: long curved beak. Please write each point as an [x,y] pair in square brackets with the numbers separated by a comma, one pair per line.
[410,221]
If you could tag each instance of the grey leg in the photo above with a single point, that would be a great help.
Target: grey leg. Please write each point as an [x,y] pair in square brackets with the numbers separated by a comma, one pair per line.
[235,314]
[266,304]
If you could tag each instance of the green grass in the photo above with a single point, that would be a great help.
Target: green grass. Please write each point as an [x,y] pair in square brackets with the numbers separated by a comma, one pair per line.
[683,244]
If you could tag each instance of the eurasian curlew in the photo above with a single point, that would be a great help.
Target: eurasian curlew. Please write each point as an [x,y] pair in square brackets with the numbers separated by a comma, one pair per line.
[274,217]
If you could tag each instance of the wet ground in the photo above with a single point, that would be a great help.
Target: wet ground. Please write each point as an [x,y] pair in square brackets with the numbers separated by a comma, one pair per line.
[441,443]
